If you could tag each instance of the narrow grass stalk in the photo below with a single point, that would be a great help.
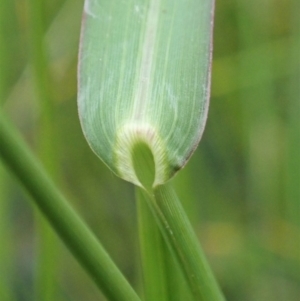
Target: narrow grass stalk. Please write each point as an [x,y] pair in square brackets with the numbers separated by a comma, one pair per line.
[163,277]
[175,228]
[47,259]
[178,287]
[163,280]
[153,252]
[153,248]
[71,229]
[179,234]
[6,253]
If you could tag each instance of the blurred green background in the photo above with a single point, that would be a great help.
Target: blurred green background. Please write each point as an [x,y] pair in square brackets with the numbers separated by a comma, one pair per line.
[241,189]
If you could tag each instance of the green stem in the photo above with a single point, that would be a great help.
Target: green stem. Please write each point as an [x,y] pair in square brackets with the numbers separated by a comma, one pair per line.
[6,250]
[65,221]
[162,275]
[178,232]
[6,254]
[47,259]
[175,228]
[153,250]
[177,283]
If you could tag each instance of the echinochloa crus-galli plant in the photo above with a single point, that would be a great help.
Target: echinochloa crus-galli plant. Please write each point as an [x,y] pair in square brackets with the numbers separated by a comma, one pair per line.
[144,82]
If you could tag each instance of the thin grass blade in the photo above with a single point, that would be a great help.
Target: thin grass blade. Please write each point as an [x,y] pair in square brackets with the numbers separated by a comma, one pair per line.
[64,220]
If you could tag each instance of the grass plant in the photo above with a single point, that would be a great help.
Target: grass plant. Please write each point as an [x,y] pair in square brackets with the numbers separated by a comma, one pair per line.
[240,190]
[146,128]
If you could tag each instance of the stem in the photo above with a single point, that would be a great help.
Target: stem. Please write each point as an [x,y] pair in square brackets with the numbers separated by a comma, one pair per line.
[65,221]
[178,234]
[47,258]
[6,249]
[153,248]
[162,275]
[153,252]
[182,239]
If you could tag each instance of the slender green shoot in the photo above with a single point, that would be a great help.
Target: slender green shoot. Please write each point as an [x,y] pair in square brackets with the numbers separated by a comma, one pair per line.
[71,229]
[162,278]
[153,251]
[175,228]
[178,231]
[6,254]
[153,248]
[47,262]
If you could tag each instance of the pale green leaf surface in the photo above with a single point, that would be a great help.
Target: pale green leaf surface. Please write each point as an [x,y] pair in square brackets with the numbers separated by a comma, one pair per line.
[144,76]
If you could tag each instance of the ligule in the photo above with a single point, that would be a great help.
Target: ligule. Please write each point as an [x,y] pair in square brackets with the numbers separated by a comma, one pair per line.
[129,140]
[144,165]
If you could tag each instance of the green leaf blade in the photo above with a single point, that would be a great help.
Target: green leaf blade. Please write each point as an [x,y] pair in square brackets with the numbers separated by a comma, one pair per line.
[144,68]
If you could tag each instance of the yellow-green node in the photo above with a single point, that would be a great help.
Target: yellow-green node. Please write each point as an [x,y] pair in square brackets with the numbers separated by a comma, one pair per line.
[128,137]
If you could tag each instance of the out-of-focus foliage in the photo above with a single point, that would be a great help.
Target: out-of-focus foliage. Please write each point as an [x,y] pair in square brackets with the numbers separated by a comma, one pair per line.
[241,188]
